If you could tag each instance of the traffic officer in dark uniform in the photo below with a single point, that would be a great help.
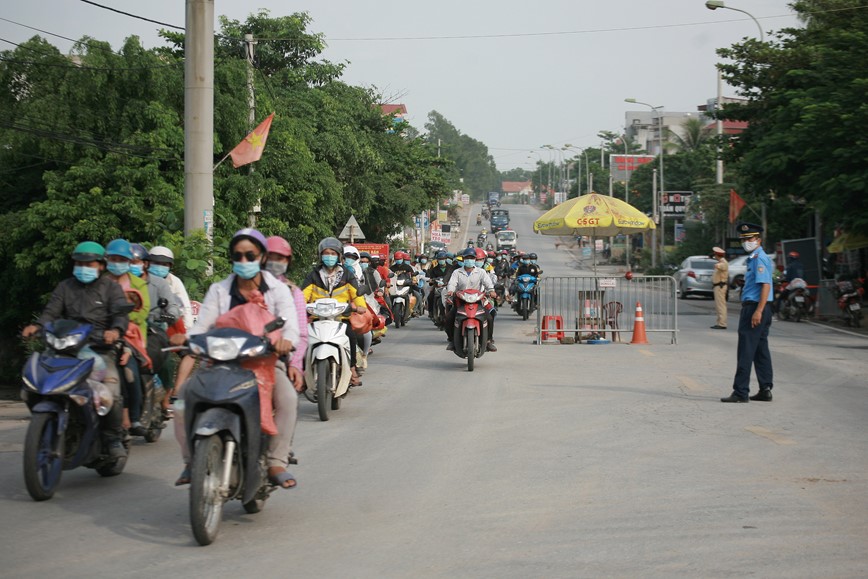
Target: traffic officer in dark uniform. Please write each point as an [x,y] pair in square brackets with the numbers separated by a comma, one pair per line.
[754,321]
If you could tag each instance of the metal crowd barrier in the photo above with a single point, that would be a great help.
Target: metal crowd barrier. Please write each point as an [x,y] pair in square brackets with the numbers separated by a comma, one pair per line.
[579,307]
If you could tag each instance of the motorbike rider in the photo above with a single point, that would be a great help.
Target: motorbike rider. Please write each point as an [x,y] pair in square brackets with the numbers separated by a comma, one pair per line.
[352,261]
[119,255]
[795,270]
[479,219]
[330,279]
[469,277]
[402,264]
[92,298]
[161,260]
[279,260]
[248,250]
[437,270]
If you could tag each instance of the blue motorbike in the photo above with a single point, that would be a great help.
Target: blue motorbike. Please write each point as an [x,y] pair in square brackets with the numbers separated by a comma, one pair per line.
[65,407]
[525,299]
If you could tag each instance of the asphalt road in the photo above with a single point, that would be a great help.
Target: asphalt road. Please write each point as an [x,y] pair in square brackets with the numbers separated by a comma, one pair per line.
[547,461]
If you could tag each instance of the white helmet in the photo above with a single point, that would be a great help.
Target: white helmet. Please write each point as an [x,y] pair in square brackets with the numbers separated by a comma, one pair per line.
[161,254]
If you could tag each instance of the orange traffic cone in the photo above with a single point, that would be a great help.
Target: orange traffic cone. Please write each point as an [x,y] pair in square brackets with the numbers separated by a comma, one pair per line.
[639,327]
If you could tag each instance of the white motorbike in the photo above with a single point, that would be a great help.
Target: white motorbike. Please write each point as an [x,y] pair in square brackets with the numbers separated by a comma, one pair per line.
[399,292]
[327,360]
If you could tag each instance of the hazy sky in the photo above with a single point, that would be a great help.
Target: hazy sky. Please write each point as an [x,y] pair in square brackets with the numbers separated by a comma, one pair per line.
[522,74]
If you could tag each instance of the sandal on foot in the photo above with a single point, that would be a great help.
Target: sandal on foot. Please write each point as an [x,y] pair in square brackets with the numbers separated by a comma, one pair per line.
[184,479]
[282,479]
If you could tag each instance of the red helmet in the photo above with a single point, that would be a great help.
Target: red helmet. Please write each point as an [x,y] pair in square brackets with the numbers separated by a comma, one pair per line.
[402,255]
[794,254]
[480,254]
[279,246]
[491,254]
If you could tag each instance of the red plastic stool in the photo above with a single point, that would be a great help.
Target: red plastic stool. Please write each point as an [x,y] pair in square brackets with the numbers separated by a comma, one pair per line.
[558,331]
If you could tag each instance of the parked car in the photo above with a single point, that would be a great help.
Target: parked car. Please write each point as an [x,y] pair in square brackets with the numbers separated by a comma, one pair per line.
[694,276]
[435,246]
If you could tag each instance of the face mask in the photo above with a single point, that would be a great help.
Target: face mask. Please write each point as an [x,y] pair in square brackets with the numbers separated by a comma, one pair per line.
[350,262]
[525,261]
[423,261]
[399,261]
[137,270]
[330,260]
[118,268]
[245,269]
[85,274]
[469,263]
[533,261]
[750,246]
[489,260]
[365,265]
[275,268]
[448,262]
[159,270]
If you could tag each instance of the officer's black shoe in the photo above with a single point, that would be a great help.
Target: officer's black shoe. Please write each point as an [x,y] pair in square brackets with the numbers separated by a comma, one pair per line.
[763,395]
[718,327]
[450,346]
[491,347]
[733,398]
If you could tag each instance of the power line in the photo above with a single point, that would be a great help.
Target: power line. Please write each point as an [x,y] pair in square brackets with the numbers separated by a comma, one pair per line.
[88,44]
[132,15]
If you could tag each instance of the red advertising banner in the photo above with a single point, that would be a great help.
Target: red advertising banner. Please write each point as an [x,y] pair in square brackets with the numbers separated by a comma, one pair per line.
[622,166]
[381,249]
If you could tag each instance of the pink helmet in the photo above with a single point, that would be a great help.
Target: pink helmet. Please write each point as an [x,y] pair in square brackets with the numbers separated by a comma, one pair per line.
[279,246]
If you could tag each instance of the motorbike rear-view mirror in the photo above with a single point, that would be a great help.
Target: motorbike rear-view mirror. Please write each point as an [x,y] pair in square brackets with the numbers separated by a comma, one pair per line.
[274,324]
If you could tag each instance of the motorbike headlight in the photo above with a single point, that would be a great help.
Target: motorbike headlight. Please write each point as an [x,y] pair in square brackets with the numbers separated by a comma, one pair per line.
[325,310]
[64,342]
[224,349]
[254,351]
[471,298]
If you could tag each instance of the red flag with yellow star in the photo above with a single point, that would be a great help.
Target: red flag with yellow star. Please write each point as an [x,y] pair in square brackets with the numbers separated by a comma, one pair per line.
[250,149]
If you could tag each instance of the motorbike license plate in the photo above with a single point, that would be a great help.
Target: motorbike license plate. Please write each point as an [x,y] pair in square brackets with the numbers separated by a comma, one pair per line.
[800,299]
[855,307]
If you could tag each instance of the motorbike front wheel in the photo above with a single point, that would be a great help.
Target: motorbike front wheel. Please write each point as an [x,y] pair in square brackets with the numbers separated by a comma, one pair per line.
[323,388]
[398,312]
[470,348]
[525,308]
[206,502]
[43,456]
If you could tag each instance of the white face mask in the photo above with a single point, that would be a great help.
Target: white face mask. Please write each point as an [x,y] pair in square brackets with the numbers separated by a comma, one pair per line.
[750,246]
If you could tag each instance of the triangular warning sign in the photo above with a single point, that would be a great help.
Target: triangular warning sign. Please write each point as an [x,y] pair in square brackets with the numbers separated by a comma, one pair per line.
[352,230]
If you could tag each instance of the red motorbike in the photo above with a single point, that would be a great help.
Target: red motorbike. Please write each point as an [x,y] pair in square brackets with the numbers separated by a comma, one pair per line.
[850,303]
[471,325]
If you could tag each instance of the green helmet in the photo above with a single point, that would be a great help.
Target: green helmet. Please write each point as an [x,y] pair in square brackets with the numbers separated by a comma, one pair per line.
[88,251]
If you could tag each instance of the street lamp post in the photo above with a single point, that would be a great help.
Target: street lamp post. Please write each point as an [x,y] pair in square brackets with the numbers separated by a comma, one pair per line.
[654,216]
[582,153]
[714,5]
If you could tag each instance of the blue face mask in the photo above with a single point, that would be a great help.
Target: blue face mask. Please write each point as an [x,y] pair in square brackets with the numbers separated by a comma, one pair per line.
[423,261]
[448,262]
[85,274]
[137,270]
[158,270]
[245,269]
[399,261]
[330,260]
[526,261]
[469,262]
[118,268]
[350,262]
[533,261]
[365,265]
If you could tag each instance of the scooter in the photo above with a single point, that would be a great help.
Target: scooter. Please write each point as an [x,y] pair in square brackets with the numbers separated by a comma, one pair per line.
[525,299]
[327,367]
[471,326]
[850,303]
[222,417]
[439,313]
[798,304]
[152,419]
[399,292]
[65,406]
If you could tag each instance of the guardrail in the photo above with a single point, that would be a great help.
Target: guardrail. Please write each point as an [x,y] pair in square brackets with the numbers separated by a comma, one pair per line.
[577,308]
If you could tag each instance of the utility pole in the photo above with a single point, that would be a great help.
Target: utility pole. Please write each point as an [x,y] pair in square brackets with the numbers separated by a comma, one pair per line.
[199,118]
[654,218]
[249,43]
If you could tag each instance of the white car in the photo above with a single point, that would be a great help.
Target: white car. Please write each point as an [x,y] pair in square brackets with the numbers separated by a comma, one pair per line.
[737,268]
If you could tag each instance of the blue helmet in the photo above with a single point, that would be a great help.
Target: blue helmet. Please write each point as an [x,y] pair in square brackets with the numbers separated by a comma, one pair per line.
[441,255]
[469,252]
[120,247]
[139,251]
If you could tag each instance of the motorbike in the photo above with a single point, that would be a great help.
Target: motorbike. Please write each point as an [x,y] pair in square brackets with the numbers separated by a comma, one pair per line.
[399,292]
[525,298]
[799,303]
[152,419]
[850,303]
[480,239]
[65,406]
[471,326]
[222,416]
[439,313]
[500,290]
[479,220]
[327,368]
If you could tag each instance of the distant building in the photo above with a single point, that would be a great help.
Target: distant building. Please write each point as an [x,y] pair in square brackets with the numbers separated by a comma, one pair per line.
[643,127]
[729,127]
[516,187]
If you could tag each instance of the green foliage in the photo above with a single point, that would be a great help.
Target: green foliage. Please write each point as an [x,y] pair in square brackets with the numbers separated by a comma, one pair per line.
[807,112]
[471,159]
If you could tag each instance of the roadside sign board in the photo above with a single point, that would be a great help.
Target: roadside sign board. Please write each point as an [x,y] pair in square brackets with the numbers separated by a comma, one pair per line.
[674,203]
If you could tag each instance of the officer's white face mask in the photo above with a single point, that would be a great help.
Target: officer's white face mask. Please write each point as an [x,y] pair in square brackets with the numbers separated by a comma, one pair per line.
[750,246]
